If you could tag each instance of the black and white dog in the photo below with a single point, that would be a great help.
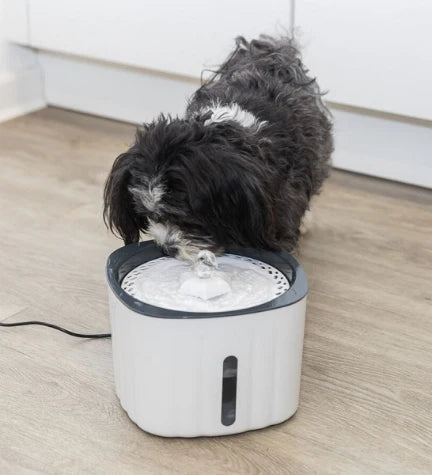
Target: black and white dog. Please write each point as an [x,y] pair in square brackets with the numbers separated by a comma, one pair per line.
[239,169]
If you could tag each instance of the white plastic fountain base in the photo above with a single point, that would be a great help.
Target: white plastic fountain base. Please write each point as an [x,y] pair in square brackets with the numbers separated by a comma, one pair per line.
[192,366]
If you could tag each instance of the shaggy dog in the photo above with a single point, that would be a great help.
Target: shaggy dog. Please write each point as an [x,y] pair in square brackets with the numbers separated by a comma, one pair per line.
[239,169]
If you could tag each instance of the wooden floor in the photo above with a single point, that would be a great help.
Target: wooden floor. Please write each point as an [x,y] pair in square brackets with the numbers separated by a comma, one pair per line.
[366,401]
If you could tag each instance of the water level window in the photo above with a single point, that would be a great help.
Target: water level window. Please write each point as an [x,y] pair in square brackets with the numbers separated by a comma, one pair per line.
[229,390]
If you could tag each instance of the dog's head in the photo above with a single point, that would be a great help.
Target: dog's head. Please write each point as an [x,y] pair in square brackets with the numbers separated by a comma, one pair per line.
[190,186]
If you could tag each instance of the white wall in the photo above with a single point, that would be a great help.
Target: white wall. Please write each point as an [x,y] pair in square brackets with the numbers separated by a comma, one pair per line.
[20,77]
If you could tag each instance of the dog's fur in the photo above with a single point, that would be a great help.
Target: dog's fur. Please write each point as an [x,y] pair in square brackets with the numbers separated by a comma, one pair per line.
[239,169]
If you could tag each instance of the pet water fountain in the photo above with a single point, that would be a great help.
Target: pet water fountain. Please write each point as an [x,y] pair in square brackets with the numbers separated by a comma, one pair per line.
[207,349]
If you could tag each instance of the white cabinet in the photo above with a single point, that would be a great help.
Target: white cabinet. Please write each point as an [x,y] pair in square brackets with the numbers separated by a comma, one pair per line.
[369,53]
[133,59]
[374,58]
[21,88]
[166,35]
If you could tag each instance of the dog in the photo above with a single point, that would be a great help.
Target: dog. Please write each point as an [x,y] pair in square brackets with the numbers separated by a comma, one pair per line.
[241,166]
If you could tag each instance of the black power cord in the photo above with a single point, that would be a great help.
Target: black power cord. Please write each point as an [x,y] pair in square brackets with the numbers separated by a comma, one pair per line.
[56,327]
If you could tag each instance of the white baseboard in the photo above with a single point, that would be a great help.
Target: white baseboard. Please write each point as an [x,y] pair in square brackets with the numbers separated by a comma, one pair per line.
[21,92]
[383,146]
[366,143]
[111,90]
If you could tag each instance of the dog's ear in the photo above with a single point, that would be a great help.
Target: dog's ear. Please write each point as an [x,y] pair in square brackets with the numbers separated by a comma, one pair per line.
[119,212]
[233,200]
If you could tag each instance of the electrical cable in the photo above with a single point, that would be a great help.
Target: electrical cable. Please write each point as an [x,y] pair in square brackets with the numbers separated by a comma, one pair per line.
[56,327]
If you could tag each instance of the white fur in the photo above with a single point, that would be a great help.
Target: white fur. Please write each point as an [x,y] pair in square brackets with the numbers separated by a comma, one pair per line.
[164,233]
[233,112]
[158,231]
[187,252]
[151,195]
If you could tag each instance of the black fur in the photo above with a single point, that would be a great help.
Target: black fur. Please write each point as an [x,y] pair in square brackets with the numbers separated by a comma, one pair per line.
[223,183]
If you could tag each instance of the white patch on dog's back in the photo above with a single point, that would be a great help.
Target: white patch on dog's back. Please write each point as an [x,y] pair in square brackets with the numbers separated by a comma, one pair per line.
[233,112]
